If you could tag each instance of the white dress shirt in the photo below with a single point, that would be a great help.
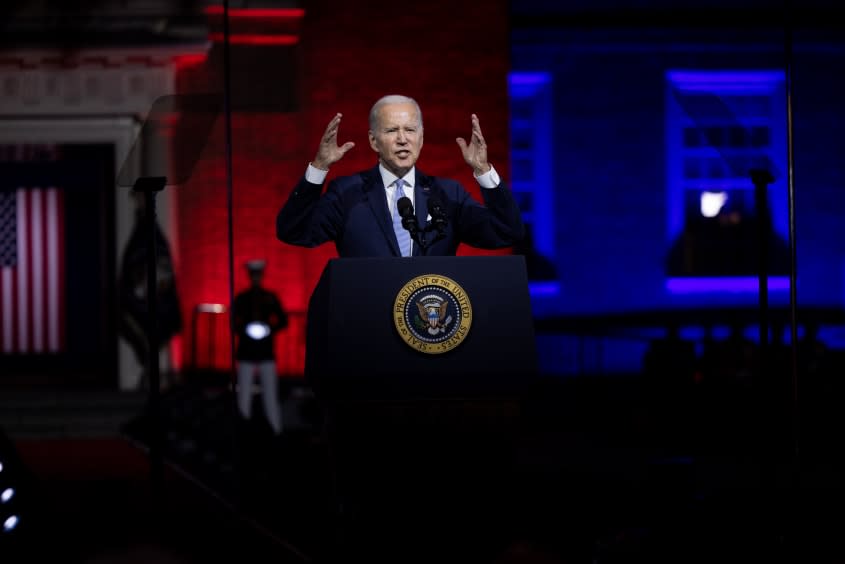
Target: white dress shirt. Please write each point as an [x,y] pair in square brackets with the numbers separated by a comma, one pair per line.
[389,181]
[489,179]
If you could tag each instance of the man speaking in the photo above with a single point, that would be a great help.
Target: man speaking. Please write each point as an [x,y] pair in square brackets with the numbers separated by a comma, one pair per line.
[389,495]
[394,209]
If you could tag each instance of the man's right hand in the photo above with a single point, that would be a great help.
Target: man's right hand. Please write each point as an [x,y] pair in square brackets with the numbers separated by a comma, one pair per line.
[329,153]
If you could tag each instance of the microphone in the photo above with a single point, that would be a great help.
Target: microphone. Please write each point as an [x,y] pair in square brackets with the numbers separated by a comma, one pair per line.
[409,220]
[439,219]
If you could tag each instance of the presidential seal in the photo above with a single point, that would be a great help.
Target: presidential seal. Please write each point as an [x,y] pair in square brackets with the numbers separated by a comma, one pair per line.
[432,314]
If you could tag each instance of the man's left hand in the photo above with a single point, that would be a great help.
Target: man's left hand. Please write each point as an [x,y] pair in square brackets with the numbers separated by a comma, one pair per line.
[475,152]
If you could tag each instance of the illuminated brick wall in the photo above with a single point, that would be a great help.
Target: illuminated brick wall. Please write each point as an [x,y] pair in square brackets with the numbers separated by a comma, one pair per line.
[452,58]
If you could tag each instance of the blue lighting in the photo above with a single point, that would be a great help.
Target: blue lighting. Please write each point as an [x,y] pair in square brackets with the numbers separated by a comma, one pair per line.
[732,284]
[538,289]
[525,84]
[720,81]
[704,108]
[520,78]
[532,155]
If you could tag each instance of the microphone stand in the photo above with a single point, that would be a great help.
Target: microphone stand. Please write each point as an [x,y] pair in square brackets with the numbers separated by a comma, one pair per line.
[438,225]
[419,235]
[409,222]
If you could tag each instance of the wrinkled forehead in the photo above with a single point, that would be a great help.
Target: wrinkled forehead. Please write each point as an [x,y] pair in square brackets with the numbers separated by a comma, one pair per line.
[398,114]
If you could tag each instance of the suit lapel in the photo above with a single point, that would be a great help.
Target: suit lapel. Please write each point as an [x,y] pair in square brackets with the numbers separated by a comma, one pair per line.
[374,192]
[422,190]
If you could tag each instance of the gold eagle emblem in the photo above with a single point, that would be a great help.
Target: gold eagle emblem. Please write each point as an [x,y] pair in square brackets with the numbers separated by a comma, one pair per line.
[432,310]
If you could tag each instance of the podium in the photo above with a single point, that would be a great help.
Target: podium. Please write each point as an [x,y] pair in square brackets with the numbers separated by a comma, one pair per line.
[464,330]
[420,365]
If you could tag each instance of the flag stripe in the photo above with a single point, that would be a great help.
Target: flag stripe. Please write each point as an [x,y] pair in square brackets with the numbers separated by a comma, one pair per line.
[22,329]
[60,260]
[7,288]
[44,296]
[53,280]
[37,277]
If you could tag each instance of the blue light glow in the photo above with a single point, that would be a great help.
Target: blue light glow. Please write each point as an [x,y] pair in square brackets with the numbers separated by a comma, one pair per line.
[532,156]
[529,78]
[724,80]
[544,288]
[524,84]
[746,284]
[699,101]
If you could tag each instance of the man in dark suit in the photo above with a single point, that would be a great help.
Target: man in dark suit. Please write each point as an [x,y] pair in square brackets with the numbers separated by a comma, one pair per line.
[361,212]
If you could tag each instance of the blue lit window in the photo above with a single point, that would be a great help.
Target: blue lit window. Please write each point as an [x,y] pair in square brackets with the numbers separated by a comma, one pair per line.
[719,126]
[531,161]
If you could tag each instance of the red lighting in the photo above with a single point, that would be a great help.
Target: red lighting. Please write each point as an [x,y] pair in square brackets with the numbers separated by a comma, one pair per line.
[256,39]
[258,13]
[184,61]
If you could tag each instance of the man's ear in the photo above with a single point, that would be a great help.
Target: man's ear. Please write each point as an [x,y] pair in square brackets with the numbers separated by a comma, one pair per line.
[372,139]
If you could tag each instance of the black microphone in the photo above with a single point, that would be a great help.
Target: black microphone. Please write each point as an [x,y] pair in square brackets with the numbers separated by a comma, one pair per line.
[406,211]
[439,218]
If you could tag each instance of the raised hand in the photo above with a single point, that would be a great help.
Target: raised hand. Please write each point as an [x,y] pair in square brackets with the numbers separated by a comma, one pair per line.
[329,153]
[475,152]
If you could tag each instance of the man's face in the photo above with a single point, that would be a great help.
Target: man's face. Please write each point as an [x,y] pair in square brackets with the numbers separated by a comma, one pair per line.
[398,137]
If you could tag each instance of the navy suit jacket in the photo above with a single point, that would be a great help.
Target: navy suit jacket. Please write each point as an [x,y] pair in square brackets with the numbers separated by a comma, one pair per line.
[354,214]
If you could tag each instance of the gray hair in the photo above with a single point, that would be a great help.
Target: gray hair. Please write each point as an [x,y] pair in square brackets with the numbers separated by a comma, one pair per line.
[392,99]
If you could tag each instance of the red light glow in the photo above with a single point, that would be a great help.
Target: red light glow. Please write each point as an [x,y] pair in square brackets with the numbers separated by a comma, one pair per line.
[256,39]
[258,13]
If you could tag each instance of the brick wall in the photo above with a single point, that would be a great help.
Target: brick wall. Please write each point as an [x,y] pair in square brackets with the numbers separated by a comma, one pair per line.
[452,58]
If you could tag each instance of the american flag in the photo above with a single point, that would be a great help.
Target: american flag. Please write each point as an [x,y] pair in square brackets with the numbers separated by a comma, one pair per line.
[32,309]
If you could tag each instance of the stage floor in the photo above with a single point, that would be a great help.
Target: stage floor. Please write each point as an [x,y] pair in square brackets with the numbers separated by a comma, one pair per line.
[577,476]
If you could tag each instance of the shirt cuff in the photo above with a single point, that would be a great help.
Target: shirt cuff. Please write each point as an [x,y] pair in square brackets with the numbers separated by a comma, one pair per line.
[315,175]
[489,179]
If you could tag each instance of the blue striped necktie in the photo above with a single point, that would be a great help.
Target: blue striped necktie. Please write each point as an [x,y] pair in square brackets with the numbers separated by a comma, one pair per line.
[403,236]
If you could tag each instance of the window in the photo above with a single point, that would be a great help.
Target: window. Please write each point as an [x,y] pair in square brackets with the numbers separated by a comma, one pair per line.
[719,126]
[531,161]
